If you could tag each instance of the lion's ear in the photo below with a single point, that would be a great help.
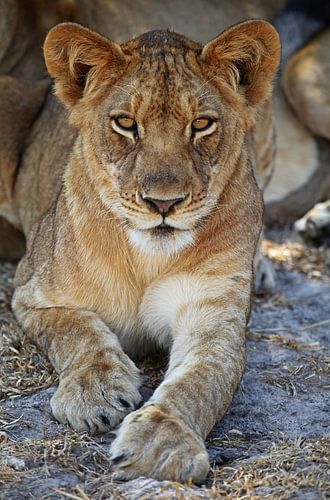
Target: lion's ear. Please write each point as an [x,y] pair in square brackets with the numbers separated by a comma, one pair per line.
[73,54]
[248,55]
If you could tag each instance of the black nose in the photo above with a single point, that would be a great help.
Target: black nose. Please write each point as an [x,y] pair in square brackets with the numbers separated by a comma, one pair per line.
[162,206]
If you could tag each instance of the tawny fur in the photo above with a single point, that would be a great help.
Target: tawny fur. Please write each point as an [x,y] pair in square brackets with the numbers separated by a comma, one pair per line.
[100,282]
[301,174]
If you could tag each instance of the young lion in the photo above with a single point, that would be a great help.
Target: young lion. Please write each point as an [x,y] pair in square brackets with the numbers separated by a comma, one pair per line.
[151,239]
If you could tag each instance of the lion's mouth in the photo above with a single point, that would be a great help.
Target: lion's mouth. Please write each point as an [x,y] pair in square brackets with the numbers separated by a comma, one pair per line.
[161,238]
[163,229]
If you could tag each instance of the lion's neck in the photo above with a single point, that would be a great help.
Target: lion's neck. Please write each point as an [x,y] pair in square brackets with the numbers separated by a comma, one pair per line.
[104,236]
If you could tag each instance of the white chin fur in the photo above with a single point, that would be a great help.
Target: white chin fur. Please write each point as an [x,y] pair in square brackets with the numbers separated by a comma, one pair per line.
[155,245]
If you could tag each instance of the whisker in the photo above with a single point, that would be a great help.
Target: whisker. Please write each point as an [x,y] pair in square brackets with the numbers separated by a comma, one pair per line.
[204,84]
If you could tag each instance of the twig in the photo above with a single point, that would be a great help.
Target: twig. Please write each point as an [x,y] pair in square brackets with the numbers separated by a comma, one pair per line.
[286,329]
[70,495]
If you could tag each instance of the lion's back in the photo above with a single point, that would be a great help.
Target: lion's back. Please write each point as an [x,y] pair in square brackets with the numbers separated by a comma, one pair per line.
[39,179]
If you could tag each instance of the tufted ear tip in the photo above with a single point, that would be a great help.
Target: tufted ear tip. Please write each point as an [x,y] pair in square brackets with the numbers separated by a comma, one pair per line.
[247,54]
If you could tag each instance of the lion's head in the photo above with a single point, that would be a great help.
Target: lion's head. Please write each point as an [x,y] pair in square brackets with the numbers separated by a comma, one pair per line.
[162,119]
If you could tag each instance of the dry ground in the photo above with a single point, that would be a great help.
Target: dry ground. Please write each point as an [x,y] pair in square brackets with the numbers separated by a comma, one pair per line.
[271,445]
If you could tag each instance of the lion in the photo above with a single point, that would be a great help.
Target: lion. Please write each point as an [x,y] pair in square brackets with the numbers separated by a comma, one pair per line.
[301,175]
[300,167]
[142,223]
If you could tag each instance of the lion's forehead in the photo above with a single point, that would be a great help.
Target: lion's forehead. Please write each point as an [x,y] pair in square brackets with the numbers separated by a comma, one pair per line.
[157,41]
[166,86]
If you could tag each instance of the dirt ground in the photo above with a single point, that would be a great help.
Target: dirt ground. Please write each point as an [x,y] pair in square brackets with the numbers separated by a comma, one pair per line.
[272,444]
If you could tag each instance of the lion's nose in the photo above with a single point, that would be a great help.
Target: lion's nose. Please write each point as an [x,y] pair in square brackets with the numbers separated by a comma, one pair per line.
[162,206]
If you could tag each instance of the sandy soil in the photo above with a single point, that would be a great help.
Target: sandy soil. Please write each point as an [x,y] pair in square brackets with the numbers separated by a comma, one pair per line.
[272,444]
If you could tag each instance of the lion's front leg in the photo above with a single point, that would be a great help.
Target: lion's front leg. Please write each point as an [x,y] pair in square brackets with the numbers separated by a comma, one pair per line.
[164,439]
[98,382]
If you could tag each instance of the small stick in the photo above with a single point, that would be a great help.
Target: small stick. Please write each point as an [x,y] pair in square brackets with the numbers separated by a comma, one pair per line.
[286,329]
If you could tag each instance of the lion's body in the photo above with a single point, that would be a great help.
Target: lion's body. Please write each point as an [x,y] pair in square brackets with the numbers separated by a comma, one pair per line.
[144,238]
[131,272]
[111,267]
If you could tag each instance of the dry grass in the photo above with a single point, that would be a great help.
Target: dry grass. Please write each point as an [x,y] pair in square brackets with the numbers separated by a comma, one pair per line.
[281,471]
[284,470]
[273,335]
[23,369]
[292,255]
[284,341]
[68,452]
[72,453]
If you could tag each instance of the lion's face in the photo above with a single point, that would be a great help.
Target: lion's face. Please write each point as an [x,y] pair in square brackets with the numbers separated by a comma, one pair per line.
[163,134]
[165,129]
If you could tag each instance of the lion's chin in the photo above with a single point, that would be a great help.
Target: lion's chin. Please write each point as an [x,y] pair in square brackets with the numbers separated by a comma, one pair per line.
[159,240]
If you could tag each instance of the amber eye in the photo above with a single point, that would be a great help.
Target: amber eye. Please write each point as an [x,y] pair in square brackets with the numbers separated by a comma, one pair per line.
[201,124]
[126,123]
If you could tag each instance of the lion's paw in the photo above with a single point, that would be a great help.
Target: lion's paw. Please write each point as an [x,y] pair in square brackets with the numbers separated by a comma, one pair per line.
[96,398]
[315,225]
[152,443]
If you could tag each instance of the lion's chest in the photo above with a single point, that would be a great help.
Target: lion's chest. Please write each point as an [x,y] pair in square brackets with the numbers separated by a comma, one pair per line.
[118,296]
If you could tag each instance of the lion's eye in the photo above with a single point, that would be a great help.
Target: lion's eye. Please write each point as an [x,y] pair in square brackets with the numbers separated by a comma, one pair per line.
[126,123]
[201,124]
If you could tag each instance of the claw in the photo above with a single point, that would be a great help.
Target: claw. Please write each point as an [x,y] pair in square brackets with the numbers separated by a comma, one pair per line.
[124,403]
[118,459]
[118,476]
[104,419]
[87,425]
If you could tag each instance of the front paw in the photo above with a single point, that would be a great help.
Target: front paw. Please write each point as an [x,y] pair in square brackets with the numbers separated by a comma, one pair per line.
[95,397]
[152,443]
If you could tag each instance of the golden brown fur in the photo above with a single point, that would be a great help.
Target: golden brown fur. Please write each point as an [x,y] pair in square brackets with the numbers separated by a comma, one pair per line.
[102,280]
